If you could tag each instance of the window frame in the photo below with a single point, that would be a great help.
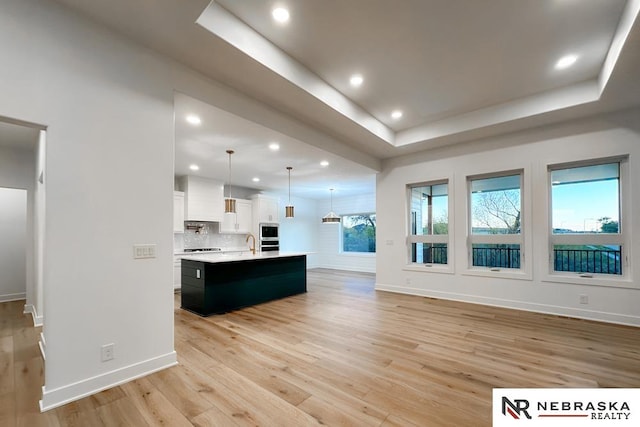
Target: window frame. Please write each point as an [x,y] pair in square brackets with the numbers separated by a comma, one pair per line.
[622,238]
[522,239]
[341,240]
[430,238]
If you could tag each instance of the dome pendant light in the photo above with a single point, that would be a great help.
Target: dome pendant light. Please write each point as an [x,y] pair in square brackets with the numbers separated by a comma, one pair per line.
[331,217]
[289,208]
[229,203]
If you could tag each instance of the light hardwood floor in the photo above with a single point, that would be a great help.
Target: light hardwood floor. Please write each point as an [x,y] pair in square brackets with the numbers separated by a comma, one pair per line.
[340,355]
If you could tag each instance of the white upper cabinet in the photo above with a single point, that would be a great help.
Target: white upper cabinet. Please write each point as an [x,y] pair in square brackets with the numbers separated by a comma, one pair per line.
[178,212]
[239,222]
[265,209]
[204,200]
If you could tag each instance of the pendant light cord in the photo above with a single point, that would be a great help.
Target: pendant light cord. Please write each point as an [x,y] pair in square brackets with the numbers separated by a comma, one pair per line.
[230,152]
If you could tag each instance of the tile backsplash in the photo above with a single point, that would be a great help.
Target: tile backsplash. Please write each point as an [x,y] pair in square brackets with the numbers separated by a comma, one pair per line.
[207,236]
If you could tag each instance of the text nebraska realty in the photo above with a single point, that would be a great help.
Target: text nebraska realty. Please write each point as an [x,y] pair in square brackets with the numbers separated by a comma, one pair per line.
[598,410]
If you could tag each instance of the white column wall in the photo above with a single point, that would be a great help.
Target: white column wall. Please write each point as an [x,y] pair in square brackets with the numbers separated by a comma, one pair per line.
[592,138]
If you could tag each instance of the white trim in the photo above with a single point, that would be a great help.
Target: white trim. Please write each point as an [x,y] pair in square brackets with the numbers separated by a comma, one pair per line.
[599,316]
[13,297]
[43,346]
[348,268]
[31,309]
[75,391]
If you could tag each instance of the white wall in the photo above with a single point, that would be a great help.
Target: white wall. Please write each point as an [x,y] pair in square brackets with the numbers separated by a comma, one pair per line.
[16,171]
[300,233]
[330,254]
[109,184]
[533,150]
[13,244]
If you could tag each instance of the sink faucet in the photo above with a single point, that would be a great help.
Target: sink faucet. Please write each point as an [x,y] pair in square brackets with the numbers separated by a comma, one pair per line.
[253,246]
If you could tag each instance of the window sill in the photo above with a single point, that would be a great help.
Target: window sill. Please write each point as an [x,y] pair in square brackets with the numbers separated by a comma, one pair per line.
[359,254]
[433,268]
[596,280]
[499,274]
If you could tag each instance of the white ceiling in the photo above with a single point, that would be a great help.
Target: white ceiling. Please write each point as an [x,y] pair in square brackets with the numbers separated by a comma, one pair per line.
[459,69]
[205,145]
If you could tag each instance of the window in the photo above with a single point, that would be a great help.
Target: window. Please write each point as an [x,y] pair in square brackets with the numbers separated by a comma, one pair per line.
[359,233]
[429,223]
[586,230]
[496,221]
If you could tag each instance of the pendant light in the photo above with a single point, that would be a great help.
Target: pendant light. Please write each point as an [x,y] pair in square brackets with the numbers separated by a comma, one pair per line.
[331,217]
[289,208]
[229,203]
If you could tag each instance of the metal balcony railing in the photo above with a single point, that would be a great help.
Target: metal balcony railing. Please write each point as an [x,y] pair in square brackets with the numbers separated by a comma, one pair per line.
[607,261]
[496,257]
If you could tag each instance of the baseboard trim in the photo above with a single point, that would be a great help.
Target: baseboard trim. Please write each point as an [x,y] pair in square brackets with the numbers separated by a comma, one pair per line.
[599,316]
[62,395]
[43,346]
[13,297]
[348,268]
[30,309]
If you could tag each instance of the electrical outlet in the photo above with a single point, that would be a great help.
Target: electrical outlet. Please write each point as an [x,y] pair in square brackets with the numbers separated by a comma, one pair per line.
[584,299]
[144,251]
[107,352]
[408,281]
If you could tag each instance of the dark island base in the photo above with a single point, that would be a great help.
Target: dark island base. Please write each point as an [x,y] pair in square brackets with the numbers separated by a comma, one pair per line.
[214,288]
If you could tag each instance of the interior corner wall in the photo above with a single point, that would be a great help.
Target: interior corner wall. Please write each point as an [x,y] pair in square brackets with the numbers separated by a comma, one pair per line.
[603,136]
[16,171]
[330,254]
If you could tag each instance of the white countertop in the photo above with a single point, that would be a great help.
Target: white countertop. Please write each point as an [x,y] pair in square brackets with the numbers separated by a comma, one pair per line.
[243,256]
[221,251]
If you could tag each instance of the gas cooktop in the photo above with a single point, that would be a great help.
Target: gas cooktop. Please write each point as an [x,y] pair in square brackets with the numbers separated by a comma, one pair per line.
[203,250]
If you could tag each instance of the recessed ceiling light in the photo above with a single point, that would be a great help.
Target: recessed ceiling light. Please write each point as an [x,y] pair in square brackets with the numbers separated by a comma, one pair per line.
[280,14]
[356,80]
[193,119]
[256,179]
[566,62]
[274,146]
[324,163]
[194,167]
[396,114]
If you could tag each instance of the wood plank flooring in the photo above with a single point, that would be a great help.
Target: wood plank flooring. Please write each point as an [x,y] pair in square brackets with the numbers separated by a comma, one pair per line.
[340,355]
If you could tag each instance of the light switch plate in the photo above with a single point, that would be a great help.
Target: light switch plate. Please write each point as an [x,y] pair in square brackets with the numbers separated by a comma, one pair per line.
[144,251]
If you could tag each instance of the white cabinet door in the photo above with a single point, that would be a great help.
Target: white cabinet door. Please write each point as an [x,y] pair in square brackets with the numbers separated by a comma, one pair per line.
[265,209]
[239,222]
[204,199]
[244,216]
[178,212]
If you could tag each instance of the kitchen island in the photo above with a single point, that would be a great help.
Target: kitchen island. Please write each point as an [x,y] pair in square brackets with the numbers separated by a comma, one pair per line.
[218,283]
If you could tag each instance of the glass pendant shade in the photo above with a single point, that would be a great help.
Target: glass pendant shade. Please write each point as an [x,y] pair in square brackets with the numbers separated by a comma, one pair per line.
[229,203]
